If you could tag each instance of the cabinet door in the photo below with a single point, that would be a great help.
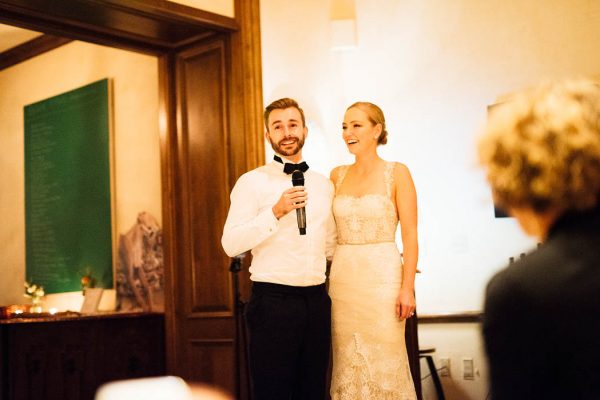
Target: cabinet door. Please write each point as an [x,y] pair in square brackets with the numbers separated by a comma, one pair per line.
[69,360]
[3,363]
[128,348]
[46,361]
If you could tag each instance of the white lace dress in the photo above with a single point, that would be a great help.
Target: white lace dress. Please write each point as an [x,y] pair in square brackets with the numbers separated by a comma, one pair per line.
[369,349]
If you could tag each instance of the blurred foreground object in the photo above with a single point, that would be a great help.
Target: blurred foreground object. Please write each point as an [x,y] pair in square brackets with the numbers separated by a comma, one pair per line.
[158,388]
[541,153]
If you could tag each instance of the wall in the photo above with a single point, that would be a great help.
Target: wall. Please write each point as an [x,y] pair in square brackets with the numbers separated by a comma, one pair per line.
[455,342]
[9,35]
[222,7]
[433,67]
[136,145]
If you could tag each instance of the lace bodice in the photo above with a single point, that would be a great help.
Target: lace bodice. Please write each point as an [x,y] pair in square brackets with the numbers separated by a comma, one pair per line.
[370,218]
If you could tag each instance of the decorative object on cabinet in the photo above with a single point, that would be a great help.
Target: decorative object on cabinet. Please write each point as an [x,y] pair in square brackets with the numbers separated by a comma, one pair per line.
[140,271]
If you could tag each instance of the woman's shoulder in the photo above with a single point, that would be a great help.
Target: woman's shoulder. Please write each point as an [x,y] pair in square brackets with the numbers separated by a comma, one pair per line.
[335,173]
[397,165]
[399,169]
[401,175]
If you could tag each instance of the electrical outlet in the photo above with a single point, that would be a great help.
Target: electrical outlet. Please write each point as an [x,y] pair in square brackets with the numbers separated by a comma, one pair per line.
[444,366]
[468,369]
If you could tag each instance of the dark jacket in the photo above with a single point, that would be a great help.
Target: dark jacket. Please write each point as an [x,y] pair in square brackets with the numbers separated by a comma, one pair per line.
[542,317]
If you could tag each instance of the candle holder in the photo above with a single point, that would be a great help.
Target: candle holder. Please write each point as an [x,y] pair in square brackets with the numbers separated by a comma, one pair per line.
[13,310]
[36,294]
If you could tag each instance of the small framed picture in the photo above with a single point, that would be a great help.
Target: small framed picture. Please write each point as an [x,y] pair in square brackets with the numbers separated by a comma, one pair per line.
[91,300]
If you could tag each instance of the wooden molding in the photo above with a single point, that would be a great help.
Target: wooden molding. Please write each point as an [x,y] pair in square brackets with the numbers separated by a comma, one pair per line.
[247,139]
[464,317]
[178,12]
[30,49]
[168,152]
[150,26]
[249,12]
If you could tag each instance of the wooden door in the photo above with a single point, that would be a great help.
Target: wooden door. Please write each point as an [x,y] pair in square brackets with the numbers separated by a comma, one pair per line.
[203,306]
[217,136]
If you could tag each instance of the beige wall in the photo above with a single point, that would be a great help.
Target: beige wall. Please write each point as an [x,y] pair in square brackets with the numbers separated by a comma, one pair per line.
[136,144]
[433,66]
[455,342]
[222,7]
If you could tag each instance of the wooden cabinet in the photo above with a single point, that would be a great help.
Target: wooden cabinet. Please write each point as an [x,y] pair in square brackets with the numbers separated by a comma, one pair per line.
[68,358]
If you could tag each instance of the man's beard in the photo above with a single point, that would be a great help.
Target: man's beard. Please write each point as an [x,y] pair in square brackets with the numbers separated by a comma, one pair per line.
[278,148]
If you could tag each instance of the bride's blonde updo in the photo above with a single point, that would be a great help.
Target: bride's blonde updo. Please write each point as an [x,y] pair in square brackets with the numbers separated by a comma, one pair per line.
[375,115]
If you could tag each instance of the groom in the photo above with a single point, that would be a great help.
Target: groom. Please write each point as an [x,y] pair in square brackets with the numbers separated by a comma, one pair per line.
[289,312]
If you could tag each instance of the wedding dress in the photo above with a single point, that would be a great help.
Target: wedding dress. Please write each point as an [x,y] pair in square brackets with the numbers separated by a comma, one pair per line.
[369,349]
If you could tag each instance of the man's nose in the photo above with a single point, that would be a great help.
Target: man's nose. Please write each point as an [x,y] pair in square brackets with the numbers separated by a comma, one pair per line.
[288,131]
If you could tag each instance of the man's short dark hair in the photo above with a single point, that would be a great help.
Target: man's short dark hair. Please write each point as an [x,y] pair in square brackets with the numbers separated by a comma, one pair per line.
[282,104]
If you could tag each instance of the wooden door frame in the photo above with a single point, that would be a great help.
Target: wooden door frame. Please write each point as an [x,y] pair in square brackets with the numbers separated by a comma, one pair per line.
[162,29]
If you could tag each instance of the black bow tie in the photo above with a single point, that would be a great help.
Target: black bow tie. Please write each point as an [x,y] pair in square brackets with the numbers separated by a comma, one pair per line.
[288,168]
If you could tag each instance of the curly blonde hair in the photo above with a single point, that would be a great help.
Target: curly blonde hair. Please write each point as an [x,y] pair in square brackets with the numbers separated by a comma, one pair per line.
[541,148]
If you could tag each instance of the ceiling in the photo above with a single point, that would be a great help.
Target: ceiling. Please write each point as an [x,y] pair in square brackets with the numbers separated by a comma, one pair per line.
[11,36]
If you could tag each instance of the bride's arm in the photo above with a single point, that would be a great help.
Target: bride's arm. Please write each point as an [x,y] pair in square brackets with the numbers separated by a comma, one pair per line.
[406,204]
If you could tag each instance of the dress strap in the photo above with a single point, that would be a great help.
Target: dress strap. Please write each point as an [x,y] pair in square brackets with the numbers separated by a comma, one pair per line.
[389,177]
[342,175]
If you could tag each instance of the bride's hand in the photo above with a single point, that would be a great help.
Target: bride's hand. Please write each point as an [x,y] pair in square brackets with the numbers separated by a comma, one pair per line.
[405,304]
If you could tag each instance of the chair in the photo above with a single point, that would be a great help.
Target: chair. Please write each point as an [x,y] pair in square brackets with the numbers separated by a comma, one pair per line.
[411,336]
[427,355]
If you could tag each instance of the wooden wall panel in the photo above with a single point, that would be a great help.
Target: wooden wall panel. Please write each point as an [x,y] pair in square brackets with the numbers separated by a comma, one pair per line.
[212,358]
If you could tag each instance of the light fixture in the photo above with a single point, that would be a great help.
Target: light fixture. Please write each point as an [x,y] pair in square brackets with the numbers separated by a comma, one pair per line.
[343,25]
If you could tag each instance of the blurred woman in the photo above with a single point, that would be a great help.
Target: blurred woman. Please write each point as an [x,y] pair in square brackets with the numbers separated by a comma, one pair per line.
[541,153]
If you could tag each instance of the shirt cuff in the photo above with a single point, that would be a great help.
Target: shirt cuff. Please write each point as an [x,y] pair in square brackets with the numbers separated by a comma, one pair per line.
[267,223]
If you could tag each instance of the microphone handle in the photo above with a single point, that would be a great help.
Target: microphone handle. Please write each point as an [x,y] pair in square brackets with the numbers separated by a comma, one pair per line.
[301,217]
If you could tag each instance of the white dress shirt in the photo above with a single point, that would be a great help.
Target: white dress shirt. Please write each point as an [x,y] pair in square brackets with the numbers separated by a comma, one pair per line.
[279,253]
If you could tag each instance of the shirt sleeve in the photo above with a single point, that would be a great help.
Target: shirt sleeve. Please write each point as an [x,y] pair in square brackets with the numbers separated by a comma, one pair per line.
[331,239]
[246,225]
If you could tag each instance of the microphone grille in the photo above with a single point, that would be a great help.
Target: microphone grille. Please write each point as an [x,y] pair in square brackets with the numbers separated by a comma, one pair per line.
[297,178]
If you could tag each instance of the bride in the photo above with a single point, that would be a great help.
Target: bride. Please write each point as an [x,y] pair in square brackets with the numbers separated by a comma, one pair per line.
[371,285]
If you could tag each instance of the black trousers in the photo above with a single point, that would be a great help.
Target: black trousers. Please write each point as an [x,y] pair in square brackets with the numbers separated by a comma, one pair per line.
[290,339]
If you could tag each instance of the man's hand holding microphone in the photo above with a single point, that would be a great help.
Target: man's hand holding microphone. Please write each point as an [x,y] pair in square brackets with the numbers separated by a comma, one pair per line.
[294,198]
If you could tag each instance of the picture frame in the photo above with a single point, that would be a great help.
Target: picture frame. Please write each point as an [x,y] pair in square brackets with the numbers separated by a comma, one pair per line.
[92,297]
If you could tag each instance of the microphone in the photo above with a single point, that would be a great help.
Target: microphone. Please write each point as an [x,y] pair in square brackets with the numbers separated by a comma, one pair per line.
[298,180]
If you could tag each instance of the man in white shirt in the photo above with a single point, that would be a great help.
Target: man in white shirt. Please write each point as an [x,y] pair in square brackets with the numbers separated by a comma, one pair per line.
[288,314]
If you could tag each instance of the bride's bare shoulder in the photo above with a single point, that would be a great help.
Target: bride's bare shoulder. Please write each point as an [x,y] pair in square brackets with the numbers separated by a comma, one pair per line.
[335,173]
